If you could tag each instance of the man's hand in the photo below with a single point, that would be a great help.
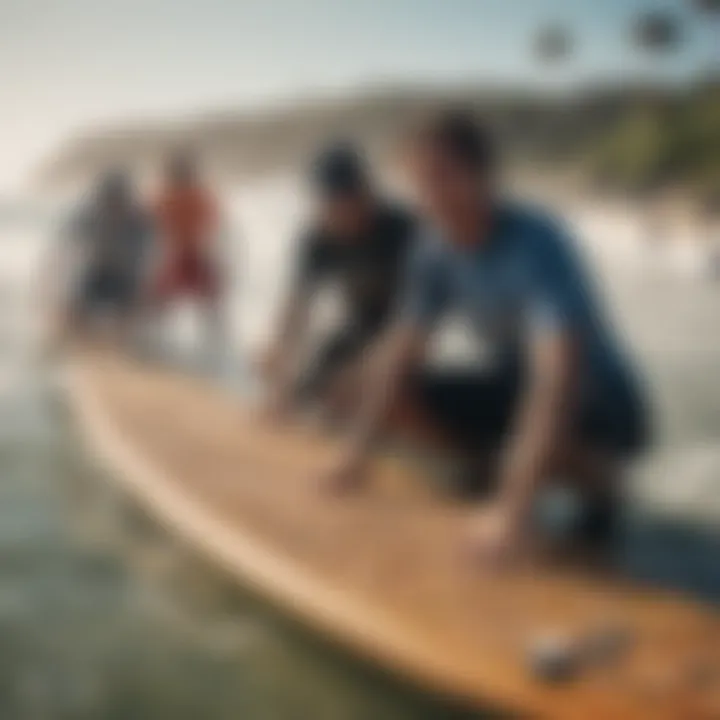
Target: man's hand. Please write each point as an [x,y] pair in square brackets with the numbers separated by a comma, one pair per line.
[497,536]
[347,474]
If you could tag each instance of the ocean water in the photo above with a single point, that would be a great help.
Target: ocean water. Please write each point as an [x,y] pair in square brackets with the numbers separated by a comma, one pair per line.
[104,616]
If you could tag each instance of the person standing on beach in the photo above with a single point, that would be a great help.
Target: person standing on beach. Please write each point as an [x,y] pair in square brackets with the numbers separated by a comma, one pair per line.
[358,243]
[103,258]
[187,220]
[559,398]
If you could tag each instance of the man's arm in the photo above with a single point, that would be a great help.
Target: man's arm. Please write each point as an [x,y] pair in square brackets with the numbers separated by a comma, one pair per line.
[541,426]
[422,301]
[386,372]
[558,308]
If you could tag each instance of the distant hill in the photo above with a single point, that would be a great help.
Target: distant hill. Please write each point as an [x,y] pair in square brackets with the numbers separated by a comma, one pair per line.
[622,136]
[671,143]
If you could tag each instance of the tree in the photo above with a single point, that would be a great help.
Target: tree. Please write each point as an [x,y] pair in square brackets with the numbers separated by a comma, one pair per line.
[709,6]
[553,44]
[657,33]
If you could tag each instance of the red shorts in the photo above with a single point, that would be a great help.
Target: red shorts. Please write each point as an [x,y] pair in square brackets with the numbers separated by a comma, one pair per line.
[187,274]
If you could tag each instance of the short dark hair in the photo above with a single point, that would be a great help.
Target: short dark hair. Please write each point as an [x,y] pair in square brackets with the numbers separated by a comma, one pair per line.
[461,135]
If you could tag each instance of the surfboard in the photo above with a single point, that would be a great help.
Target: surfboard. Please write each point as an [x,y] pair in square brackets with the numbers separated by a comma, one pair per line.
[380,571]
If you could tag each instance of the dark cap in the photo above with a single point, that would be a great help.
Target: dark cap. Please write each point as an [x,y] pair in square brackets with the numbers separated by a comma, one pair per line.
[114,183]
[339,170]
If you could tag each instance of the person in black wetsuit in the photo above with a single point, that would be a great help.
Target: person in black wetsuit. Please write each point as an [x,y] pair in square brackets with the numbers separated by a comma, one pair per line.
[358,243]
[103,252]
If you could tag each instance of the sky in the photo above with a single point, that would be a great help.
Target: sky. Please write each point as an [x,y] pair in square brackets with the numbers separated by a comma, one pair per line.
[69,65]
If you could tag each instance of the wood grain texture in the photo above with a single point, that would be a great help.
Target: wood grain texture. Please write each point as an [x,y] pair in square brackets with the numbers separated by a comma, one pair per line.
[381,571]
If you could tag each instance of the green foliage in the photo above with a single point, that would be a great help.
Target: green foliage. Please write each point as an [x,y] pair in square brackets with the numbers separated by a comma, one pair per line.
[661,144]
[657,32]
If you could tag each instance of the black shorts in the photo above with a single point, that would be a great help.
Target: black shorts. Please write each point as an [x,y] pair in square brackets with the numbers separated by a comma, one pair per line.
[105,290]
[477,409]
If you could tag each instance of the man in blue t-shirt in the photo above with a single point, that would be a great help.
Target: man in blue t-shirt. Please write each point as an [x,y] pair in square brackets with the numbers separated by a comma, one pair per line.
[558,396]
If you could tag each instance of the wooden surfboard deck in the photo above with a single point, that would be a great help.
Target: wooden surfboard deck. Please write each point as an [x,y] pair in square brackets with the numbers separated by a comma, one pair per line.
[381,571]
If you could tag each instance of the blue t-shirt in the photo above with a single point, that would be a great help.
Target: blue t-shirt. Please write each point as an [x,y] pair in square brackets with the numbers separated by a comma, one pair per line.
[525,278]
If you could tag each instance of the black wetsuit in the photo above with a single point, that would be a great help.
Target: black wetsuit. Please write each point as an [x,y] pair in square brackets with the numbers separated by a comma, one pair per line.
[113,250]
[367,270]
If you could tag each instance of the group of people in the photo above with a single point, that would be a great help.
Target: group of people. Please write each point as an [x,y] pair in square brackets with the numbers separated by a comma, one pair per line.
[556,398]
[129,258]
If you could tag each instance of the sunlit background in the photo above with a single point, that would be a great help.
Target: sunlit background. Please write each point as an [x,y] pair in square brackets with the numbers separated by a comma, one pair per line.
[608,111]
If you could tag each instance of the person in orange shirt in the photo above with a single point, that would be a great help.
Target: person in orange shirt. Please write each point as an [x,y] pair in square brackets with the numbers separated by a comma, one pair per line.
[188,222]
